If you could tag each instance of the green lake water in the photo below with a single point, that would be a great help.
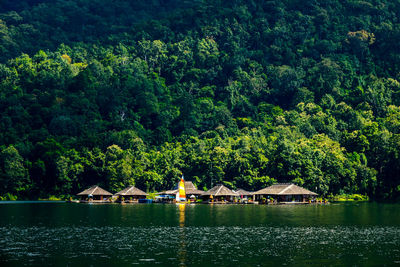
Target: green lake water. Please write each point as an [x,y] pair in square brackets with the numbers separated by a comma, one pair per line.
[68,234]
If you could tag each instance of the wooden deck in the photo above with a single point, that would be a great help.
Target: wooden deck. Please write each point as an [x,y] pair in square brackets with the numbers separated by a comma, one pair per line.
[297,203]
[292,203]
[95,201]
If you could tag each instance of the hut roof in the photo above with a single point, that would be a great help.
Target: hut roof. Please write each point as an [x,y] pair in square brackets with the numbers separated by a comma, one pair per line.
[189,185]
[168,192]
[220,190]
[95,191]
[131,191]
[243,192]
[190,189]
[284,189]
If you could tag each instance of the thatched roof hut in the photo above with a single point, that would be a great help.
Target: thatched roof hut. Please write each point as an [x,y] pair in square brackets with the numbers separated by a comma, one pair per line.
[95,191]
[242,192]
[220,190]
[168,192]
[190,189]
[284,190]
[131,191]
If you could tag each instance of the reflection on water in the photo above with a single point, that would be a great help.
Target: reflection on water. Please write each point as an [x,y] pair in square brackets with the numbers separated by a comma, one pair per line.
[181,214]
[199,235]
[182,235]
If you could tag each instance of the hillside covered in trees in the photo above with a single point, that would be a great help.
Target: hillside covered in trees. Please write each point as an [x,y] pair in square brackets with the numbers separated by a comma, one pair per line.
[250,92]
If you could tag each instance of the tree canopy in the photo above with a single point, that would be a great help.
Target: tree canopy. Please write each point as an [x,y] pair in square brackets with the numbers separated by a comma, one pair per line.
[247,92]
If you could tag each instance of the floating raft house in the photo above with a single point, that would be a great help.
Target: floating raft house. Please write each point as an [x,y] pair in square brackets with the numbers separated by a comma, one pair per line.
[219,193]
[243,193]
[131,194]
[285,193]
[190,189]
[94,193]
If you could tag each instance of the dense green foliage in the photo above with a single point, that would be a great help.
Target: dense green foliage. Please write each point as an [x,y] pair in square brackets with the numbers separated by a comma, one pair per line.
[247,92]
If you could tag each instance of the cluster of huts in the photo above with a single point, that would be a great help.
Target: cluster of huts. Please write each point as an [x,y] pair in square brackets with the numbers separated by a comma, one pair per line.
[277,193]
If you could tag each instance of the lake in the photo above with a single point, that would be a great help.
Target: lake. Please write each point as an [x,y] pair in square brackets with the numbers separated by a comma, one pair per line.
[69,234]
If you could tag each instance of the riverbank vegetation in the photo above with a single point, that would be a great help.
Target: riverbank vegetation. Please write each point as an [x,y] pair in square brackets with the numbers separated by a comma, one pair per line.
[348,197]
[247,92]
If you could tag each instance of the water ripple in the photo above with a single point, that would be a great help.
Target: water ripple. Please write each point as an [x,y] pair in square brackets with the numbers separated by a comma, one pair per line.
[199,246]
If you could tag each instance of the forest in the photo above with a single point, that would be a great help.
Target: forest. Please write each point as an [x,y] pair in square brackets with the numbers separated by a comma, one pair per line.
[244,92]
